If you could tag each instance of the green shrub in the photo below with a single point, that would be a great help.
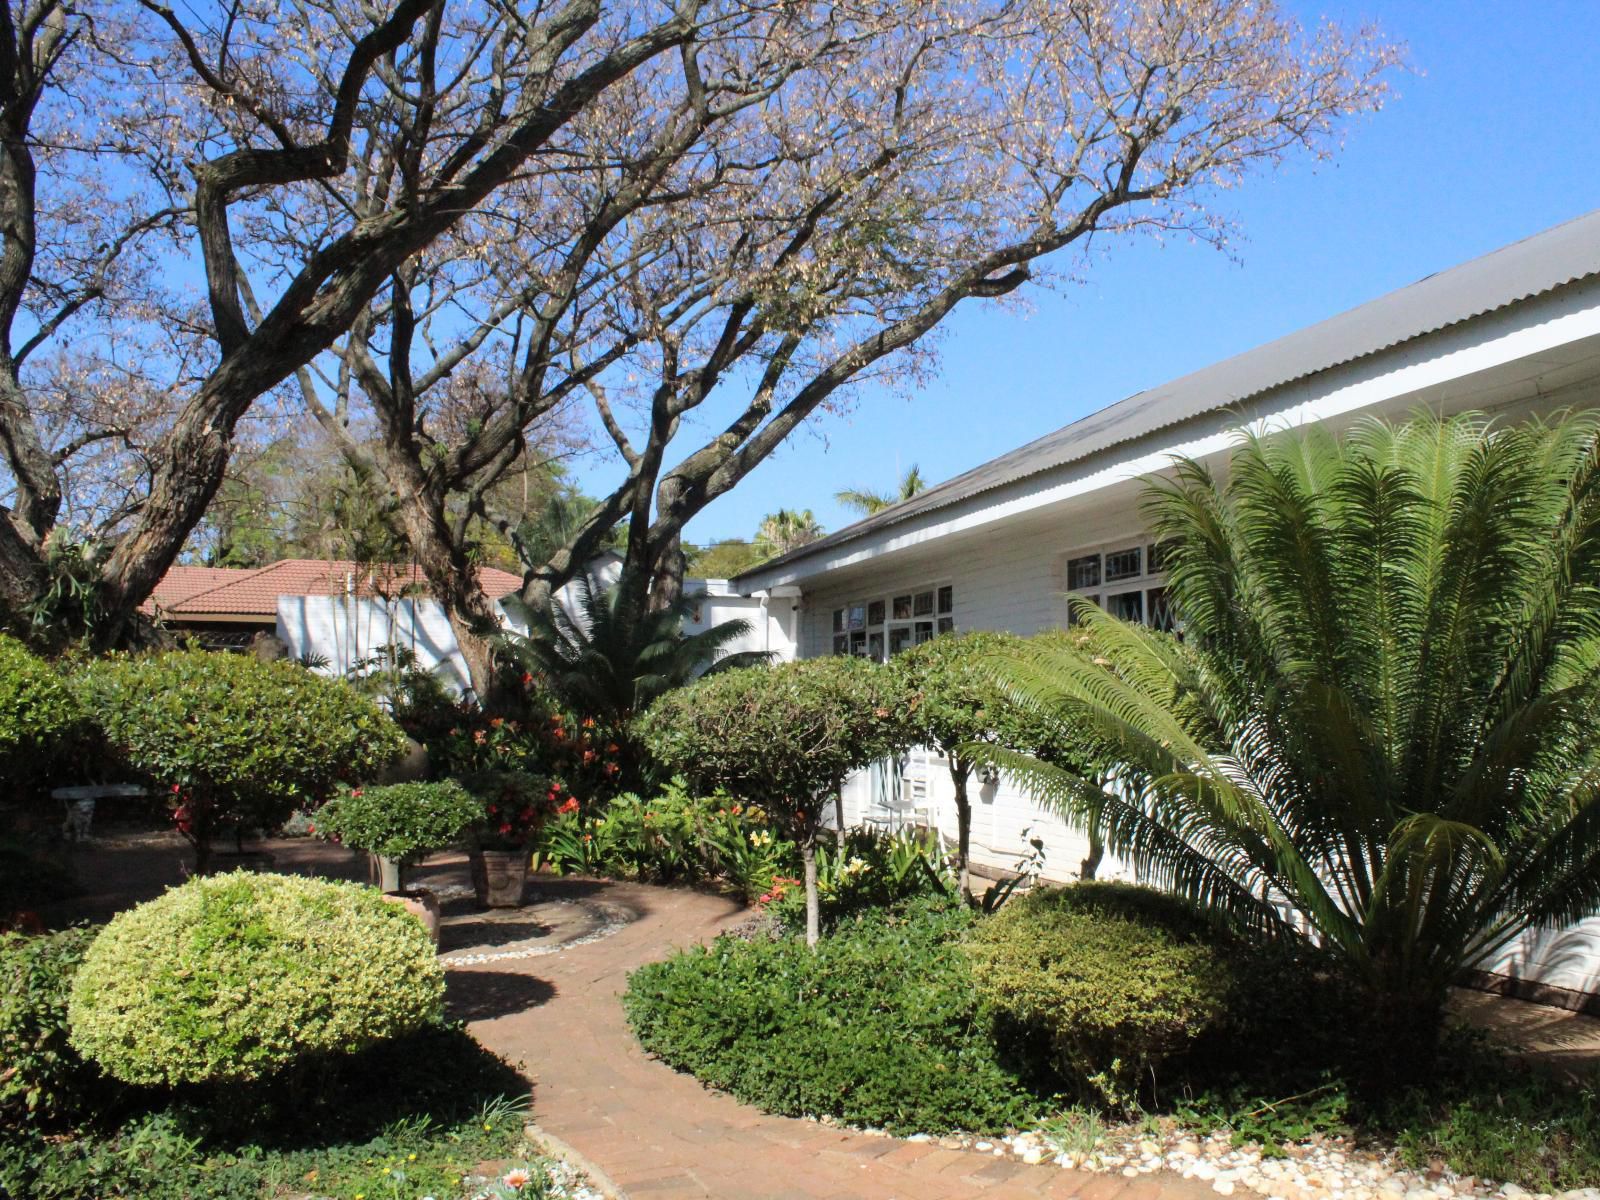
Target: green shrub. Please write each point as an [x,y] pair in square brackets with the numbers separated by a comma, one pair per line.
[236,977]
[878,1026]
[1113,979]
[234,738]
[404,822]
[41,1076]
[41,720]
[869,869]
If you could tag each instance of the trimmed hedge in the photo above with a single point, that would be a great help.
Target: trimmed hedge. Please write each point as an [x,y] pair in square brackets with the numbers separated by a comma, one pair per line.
[1112,978]
[236,737]
[42,1077]
[237,977]
[878,1026]
[40,719]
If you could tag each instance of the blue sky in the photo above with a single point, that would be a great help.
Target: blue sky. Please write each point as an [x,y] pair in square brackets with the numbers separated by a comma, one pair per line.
[1494,136]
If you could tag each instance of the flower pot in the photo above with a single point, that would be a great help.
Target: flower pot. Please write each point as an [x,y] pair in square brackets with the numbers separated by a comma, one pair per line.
[498,877]
[422,904]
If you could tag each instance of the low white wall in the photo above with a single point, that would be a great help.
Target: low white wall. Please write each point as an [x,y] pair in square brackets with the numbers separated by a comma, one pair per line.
[347,631]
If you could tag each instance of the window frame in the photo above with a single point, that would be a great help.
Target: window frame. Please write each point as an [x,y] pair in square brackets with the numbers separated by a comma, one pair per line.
[1108,592]
[879,642]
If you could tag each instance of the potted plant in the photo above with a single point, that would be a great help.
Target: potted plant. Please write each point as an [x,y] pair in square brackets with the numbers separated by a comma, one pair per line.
[401,823]
[515,805]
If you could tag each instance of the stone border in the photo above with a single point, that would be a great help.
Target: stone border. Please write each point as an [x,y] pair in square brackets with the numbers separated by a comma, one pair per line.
[614,919]
[549,1145]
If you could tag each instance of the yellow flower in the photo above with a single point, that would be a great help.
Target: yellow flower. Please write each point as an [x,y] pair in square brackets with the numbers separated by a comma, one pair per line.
[411,1158]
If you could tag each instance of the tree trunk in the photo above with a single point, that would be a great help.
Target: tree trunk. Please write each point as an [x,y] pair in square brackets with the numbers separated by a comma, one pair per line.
[960,772]
[808,857]
[22,575]
[666,583]
[391,874]
[1097,851]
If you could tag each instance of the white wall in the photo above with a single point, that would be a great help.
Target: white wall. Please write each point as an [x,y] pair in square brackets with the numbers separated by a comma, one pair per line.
[347,631]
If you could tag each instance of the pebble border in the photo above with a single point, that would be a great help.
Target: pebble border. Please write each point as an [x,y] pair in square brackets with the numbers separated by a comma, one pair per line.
[613,919]
[1320,1167]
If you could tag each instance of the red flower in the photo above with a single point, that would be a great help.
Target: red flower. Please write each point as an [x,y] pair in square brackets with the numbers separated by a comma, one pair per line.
[505,826]
[570,806]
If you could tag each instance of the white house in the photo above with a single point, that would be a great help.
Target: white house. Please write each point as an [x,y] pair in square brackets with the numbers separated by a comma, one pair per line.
[1514,332]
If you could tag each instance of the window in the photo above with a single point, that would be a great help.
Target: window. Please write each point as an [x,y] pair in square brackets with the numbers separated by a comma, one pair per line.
[880,629]
[1125,581]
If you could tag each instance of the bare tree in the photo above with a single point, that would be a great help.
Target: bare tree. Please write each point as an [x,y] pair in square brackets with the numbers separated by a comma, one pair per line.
[732,238]
[232,121]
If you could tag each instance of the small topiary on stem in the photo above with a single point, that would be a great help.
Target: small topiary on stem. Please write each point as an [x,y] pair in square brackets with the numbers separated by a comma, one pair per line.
[402,823]
[783,737]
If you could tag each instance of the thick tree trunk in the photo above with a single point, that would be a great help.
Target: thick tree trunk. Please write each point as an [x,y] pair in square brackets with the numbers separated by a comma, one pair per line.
[960,772]
[808,858]
[22,574]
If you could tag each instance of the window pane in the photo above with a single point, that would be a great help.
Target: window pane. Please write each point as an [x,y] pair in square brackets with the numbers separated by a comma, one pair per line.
[838,620]
[875,646]
[1158,557]
[924,605]
[947,624]
[1124,564]
[841,644]
[947,599]
[1159,608]
[858,616]
[1083,573]
[1127,606]
[924,632]
[858,644]
[875,613]
[902,608]
[899,638]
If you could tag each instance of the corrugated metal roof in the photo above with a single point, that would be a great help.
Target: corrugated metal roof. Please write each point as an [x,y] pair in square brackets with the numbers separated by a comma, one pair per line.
[1520,271]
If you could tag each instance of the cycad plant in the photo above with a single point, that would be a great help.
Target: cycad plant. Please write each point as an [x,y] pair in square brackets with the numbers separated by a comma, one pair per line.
[1379,729]
[617,654]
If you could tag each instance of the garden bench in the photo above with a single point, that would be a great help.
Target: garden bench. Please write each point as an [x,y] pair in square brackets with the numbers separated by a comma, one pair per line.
[80,801]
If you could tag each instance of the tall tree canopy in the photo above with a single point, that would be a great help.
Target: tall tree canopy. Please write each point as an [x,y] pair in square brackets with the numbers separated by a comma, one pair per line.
[433,226]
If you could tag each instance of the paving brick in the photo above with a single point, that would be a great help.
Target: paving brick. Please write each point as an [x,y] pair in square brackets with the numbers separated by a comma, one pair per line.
[661,1135]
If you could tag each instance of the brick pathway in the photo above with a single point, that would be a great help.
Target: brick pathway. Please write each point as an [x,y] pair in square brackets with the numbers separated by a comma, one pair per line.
[661,1136]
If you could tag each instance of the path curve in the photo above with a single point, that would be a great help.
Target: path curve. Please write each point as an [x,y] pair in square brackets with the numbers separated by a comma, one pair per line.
[660,1135]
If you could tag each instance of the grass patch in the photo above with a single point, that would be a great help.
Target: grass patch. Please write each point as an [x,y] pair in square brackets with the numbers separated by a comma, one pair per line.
[407,1119]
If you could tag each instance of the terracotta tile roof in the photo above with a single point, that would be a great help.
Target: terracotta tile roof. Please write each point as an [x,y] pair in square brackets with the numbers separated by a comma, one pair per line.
[193,591]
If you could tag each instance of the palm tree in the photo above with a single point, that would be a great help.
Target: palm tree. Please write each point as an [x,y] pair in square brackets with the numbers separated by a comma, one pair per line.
[785,530]
[868,502]
[1382,717]
[613,658]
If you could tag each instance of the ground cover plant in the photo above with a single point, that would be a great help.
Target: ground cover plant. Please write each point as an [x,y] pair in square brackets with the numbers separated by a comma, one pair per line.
[877,1026]
[1383,712]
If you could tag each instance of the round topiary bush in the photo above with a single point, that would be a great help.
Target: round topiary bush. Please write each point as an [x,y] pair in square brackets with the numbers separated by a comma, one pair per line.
[40,719]
[1111,978]
[237,977]
[234,738]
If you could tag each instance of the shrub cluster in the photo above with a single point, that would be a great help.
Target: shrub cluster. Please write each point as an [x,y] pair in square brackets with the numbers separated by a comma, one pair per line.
[237,977]
[878,1026]
[1113,979]
[235,738]
[42,1078]
[41,721]
[400,821]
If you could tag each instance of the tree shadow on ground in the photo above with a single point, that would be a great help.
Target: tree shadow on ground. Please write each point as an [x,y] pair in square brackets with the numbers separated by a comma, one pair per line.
[484,995]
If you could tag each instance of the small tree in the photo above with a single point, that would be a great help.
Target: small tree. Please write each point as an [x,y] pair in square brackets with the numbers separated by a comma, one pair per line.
[402,823]
[954,701]
[233,738]
[784,737]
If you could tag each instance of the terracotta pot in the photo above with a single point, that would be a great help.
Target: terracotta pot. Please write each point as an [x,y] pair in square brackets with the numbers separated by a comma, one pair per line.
[422,904]
[498,877]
